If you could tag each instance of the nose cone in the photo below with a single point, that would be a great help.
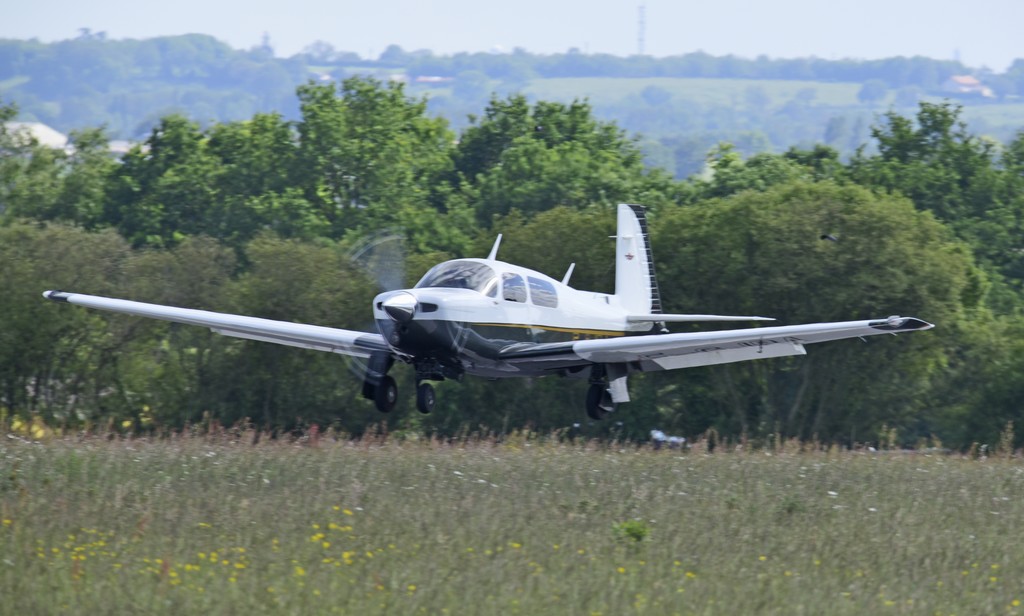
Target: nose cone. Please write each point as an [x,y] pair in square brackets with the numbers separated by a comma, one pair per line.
[400,307]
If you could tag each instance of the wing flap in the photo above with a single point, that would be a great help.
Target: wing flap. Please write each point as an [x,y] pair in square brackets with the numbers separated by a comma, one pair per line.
[726,356]
[316,337]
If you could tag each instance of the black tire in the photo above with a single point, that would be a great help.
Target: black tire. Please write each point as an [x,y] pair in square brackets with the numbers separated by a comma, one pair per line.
[425,398]
[599,403]
[385,395]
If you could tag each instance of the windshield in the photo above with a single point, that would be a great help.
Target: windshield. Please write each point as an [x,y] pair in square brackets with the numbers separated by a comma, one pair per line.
[462,275]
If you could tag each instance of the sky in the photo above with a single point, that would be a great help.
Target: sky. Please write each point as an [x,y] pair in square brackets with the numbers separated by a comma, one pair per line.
[981,33]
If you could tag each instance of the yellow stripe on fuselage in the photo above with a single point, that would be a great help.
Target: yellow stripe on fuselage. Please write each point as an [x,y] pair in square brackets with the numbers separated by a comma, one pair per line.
[605,333]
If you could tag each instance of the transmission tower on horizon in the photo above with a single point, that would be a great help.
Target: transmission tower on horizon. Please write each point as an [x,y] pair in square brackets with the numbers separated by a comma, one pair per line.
[641,27]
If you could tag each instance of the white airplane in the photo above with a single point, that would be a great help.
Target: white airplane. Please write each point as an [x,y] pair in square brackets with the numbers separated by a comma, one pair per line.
[489,318]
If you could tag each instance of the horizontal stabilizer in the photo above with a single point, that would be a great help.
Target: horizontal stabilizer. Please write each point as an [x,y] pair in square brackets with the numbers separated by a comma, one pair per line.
[683,318]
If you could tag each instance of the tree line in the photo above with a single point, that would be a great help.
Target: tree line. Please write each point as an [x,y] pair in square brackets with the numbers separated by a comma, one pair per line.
[263,216]
[129,84]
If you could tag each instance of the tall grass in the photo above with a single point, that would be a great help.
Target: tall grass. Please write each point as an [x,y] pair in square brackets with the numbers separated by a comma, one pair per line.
[531,526]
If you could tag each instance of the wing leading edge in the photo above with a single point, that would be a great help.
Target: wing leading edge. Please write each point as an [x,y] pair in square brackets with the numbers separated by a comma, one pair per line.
[687,350]
[343,341]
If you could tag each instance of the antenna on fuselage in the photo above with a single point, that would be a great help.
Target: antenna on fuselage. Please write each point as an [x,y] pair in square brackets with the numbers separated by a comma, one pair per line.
[568,274]
[494,249]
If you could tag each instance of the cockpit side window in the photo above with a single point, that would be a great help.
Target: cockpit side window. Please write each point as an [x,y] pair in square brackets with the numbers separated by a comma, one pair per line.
[543,293]
[462,275]
[513,288]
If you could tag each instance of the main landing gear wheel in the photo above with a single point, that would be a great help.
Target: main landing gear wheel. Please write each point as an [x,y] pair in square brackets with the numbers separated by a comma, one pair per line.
[599,402]
[385,394]
[425,398]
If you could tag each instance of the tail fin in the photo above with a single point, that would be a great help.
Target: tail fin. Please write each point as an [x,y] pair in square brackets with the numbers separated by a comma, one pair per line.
[635,285]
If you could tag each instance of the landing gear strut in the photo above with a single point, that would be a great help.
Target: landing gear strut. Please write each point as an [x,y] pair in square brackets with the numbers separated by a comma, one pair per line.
[599,402]
[607,389]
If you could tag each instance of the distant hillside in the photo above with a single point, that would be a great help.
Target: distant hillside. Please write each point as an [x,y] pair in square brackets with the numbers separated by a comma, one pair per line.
[128,84]
[681,105]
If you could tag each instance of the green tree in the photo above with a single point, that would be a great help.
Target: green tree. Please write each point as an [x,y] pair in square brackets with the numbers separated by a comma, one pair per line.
[255,184]
[935,161]
[532,159]
[164,189]
[760,253]
[84,181]
[29,172]
[730,174]
[45,183]
[55,362]
[982,389]
[367,150]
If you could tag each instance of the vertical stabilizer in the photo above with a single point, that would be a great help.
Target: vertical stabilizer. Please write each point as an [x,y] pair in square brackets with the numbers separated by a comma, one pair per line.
[635,285]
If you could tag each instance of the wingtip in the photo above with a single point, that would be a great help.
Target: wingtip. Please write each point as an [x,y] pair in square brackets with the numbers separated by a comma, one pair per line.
[902,324]
[56,296]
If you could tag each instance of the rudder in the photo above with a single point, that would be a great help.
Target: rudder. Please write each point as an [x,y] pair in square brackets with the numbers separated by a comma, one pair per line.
[636,286]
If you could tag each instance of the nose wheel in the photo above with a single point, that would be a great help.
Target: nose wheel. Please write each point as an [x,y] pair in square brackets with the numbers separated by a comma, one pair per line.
[425,398]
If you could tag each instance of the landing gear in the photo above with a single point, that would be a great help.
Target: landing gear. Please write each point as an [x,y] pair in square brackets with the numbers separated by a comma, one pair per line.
[430,369]
[385,394]
[607,389]
[381,388]
[425,398]
[599,402]
[377,385]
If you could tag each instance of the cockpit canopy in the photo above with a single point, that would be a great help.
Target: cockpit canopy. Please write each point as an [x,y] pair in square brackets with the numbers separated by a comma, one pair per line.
[462,275]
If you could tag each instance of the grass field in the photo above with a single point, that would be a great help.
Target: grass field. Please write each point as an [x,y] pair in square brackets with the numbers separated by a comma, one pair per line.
[218,525]
[721,92]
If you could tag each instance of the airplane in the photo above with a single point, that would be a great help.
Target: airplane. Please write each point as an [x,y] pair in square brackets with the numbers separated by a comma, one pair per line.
[493,319]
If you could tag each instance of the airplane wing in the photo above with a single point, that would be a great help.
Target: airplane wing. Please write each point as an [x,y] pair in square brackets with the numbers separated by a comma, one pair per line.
[343,341]
[687,350]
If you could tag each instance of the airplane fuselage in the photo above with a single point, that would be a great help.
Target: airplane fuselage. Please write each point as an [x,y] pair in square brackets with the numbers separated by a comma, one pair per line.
[463,313]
